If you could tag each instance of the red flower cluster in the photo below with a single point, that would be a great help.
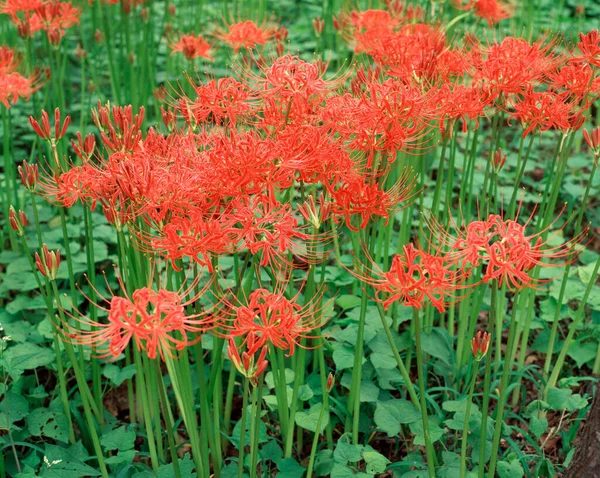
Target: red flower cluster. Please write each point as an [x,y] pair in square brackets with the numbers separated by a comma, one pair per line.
[155,320]
[13,85]
[269,318]
[222,182]
[192,47]
[247,34]
[51,16]
[414,276]
[541,84]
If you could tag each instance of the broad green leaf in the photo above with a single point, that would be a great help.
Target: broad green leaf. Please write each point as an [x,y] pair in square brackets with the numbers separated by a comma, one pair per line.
[289,468]
[26,356]
[537,426]
[376,462]
[45,422]
[13,408]
[512,469]
[309,419]
[391,414]
[65,465]
[118,439]
[117,375]
[186,467]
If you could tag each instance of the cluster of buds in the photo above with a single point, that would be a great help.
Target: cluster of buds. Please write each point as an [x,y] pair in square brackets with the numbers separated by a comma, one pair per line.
[84,147]
[17,220]
[313,213]
[480,345]
[318,26]
[593,140]
[30,175]
[44,131]
[49,263]
[498,160]
[247,365]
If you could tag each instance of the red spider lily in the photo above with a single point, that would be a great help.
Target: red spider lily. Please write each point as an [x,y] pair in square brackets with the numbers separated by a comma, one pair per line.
[48,263]
[43,130]
[480,345]
[576,79]
[13,85]
[498,160]
[12,7]
[247,34]
[414,277]
[155,320]
[548,110]
[9,62]
[506,251]
[248,365]
[194,237]
[269,318]
[221,101]
[387,117]
[54,17]
[593,140]
[192,47]
[84,148]
[462,102]
[318,26]
[491,10]
[514,65]
[364,199]
[17,222]
[122,131]
[589,47]
[29,174]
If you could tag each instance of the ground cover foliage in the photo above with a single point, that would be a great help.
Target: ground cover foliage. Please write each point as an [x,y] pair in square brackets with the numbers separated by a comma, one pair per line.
[346,239]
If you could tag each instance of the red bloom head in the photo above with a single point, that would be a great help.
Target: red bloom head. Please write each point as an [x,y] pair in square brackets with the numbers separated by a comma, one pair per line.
[192,47]
[155,320]
[480,345]
[247,34]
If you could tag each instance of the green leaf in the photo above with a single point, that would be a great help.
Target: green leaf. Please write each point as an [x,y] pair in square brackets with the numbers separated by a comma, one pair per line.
[435,432]
[346,452]
[186,466]
[438,343]
[309,419]
[343,358]
[117,375]
[391,414]
[118,439]
[382,360]
[26,356]
[376,462]
[369,392]
[582,353]
[537,426]
[558,398]
[511,469]
[348,301]
[13,408]
[289,468]
[44,422]
[65,464]
[271,452]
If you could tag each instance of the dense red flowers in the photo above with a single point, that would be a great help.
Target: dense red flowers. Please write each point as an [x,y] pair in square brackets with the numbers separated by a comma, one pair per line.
[269,318]
[414,277]
[505,251]
[247,34]
[13,85]
[192,47]
[155,320]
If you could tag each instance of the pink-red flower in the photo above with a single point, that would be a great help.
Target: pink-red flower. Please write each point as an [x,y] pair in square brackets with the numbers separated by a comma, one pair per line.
[192,47]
